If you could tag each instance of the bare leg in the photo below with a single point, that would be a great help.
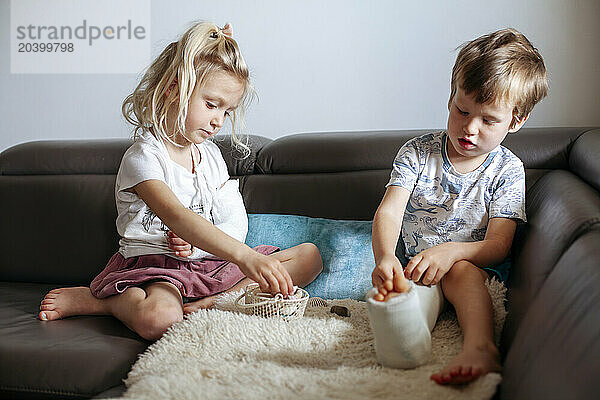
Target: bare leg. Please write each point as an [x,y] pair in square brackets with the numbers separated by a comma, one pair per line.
[464,286]
[148,311]
[65,302]
[303,262]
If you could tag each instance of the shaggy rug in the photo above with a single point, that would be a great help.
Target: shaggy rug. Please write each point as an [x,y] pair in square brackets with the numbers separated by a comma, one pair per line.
[220,354]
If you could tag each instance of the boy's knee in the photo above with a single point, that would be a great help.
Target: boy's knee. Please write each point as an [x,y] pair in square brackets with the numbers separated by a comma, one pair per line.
[154,321]
[458,271]
[462,272]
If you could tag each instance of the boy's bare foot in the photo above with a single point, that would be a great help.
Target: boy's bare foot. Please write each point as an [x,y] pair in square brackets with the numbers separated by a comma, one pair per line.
[468,365]
[206,302]
[65,302]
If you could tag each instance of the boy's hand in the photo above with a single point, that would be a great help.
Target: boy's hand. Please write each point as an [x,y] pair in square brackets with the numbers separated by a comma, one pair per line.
[430,266]
[269,273]
[387,278]
[178,245]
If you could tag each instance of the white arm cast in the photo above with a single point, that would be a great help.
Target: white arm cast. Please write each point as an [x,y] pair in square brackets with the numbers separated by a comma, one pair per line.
[229,214]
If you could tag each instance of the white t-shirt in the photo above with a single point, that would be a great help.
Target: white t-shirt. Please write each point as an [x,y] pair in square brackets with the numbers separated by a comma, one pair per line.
[205,192]
[446,205]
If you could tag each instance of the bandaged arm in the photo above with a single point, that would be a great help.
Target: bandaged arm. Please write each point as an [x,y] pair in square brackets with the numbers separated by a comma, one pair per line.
[229,214]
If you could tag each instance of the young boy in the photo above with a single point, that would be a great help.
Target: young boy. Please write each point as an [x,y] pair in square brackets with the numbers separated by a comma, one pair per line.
[456,197]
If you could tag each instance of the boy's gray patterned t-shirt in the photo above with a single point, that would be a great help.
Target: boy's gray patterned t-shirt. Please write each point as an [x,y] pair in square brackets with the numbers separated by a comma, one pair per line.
[446,205]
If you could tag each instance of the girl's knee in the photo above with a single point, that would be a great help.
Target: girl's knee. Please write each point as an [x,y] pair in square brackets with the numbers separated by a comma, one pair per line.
[154,321]
[311,254]
[305,264]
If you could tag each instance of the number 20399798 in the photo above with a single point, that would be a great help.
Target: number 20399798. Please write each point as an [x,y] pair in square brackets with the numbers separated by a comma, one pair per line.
[45,47]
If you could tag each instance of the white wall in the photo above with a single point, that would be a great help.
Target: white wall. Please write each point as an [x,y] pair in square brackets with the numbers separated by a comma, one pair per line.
[327,65]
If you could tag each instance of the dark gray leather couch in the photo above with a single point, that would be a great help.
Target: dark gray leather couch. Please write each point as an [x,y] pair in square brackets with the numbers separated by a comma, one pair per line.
[58,229]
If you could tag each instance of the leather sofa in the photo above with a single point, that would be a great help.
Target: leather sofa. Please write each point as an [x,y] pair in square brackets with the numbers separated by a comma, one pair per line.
[58,229]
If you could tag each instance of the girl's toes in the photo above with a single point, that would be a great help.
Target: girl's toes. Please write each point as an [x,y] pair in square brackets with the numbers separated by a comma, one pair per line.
[48,315]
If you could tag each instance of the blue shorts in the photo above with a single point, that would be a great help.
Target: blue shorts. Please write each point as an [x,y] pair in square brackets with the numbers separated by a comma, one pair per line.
[500,271]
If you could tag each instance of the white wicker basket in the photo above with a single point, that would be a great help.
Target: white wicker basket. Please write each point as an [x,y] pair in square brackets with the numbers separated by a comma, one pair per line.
[267,305]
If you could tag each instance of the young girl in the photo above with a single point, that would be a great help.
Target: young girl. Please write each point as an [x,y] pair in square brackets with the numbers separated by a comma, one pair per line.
[173,179]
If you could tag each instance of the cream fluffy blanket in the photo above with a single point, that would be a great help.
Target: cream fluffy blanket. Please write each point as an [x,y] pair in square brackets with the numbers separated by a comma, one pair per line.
[218,354]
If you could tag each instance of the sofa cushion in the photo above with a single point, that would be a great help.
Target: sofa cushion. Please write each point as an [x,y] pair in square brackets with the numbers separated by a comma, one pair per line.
[543,148]
[57,228]
[337,195]
[556,352]
[345,247]
[55,157]
[236,165]
[333,151]
[77,157]
[73,357]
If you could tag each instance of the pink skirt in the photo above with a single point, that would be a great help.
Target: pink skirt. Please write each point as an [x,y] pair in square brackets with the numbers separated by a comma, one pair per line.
[194,279]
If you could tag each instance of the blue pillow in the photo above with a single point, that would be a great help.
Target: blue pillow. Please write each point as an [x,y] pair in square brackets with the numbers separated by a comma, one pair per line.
[345,247]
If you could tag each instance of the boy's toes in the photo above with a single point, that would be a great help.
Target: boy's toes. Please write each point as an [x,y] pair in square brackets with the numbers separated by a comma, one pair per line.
[441,378]
[465,375]
[454,376]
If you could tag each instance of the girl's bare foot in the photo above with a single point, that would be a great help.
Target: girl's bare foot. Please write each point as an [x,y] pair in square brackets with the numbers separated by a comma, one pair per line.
[468,365]
[65,302]
[206,302]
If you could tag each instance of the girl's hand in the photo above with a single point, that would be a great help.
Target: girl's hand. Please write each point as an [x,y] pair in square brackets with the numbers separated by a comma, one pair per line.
[430,266]
[387,278]
[269,273]
[178,245]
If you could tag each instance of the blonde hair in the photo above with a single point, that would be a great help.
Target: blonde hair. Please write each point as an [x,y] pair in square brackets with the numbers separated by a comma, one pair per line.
[181,68]
[501,67]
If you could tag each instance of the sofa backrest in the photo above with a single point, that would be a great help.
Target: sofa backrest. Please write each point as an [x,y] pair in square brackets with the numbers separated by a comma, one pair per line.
[58,196]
